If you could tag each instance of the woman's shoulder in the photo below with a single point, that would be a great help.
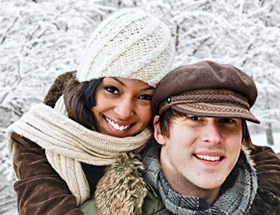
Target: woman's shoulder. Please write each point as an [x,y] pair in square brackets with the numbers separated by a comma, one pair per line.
[267,165]
[265,202]
[26,143]
[57,88]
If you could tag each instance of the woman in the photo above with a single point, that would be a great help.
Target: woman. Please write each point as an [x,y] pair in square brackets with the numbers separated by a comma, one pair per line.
[61,153]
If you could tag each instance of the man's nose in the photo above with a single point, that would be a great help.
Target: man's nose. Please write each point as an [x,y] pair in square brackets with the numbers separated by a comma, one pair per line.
[211,133]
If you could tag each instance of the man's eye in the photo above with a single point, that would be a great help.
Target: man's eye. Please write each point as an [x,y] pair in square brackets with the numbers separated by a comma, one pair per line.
[194,118]
[146,97]
[112,89]
[227,120]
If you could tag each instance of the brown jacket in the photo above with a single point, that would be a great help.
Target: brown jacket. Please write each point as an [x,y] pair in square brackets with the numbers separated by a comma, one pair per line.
[41,191]
[267,165]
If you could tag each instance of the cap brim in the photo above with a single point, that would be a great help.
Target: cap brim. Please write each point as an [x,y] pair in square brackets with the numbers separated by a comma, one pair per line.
[215,110]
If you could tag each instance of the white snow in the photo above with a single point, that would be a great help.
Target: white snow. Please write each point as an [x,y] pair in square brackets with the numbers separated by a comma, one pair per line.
[41,39]
[260,139]
[11,212]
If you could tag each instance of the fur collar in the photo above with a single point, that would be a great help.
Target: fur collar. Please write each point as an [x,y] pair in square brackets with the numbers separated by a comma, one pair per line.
[122,189]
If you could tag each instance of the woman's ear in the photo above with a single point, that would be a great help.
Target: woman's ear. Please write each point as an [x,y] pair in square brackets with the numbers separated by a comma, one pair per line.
[157,132]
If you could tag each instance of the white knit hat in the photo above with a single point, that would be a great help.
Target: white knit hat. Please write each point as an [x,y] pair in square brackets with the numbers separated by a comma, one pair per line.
[129,44]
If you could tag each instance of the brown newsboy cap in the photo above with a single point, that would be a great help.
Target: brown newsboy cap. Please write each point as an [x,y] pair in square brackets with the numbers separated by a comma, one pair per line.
[208,89]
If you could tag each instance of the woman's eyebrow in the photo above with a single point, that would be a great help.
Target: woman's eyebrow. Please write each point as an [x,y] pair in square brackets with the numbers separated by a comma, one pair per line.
[148,88]
[119,81]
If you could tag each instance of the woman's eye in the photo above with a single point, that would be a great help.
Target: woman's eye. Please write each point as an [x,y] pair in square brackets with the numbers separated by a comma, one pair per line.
[146,97]
[194,118]
[112,89]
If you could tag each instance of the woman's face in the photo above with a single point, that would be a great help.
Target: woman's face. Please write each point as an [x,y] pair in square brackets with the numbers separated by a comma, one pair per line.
[123,106]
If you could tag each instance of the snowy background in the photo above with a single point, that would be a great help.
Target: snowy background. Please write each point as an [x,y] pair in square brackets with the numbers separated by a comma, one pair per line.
[41,39]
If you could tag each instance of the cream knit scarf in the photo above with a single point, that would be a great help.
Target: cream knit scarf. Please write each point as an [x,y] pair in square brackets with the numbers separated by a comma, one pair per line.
[67,144]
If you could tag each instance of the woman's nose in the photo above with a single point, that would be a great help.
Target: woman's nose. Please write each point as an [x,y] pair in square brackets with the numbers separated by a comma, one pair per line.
[125,108]
[211,133]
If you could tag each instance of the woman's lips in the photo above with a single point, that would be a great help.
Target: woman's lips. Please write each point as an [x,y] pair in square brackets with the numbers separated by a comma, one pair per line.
[117,127]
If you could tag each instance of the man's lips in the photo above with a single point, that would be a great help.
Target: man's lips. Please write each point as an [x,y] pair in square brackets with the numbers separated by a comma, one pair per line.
[210,156]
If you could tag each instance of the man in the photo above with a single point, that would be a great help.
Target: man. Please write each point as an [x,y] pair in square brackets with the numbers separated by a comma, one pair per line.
[202,164]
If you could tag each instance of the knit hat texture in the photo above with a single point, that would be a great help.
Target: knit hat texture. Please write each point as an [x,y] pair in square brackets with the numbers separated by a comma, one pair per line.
[129,44]
[208,89]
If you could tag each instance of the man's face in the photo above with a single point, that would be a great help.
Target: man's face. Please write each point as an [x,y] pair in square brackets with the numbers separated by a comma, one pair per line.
[200,152]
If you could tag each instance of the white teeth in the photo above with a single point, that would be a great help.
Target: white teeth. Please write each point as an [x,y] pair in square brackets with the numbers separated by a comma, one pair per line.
[209,158]
[116,126]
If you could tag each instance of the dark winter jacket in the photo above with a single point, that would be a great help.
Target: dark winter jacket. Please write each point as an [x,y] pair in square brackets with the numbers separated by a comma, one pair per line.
[41,191]
[265,202]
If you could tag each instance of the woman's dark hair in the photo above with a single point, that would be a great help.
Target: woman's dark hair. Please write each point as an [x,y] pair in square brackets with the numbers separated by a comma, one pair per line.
[79,98]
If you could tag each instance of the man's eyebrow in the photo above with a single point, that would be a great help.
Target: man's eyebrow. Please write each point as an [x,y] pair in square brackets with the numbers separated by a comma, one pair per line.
[119,81]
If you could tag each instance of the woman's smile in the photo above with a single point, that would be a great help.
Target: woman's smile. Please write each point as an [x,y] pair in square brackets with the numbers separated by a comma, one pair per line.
[120,127]
[123,106]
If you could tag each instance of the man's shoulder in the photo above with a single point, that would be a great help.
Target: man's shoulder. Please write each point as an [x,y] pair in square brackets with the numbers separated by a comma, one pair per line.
[89,207]
[153,203]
